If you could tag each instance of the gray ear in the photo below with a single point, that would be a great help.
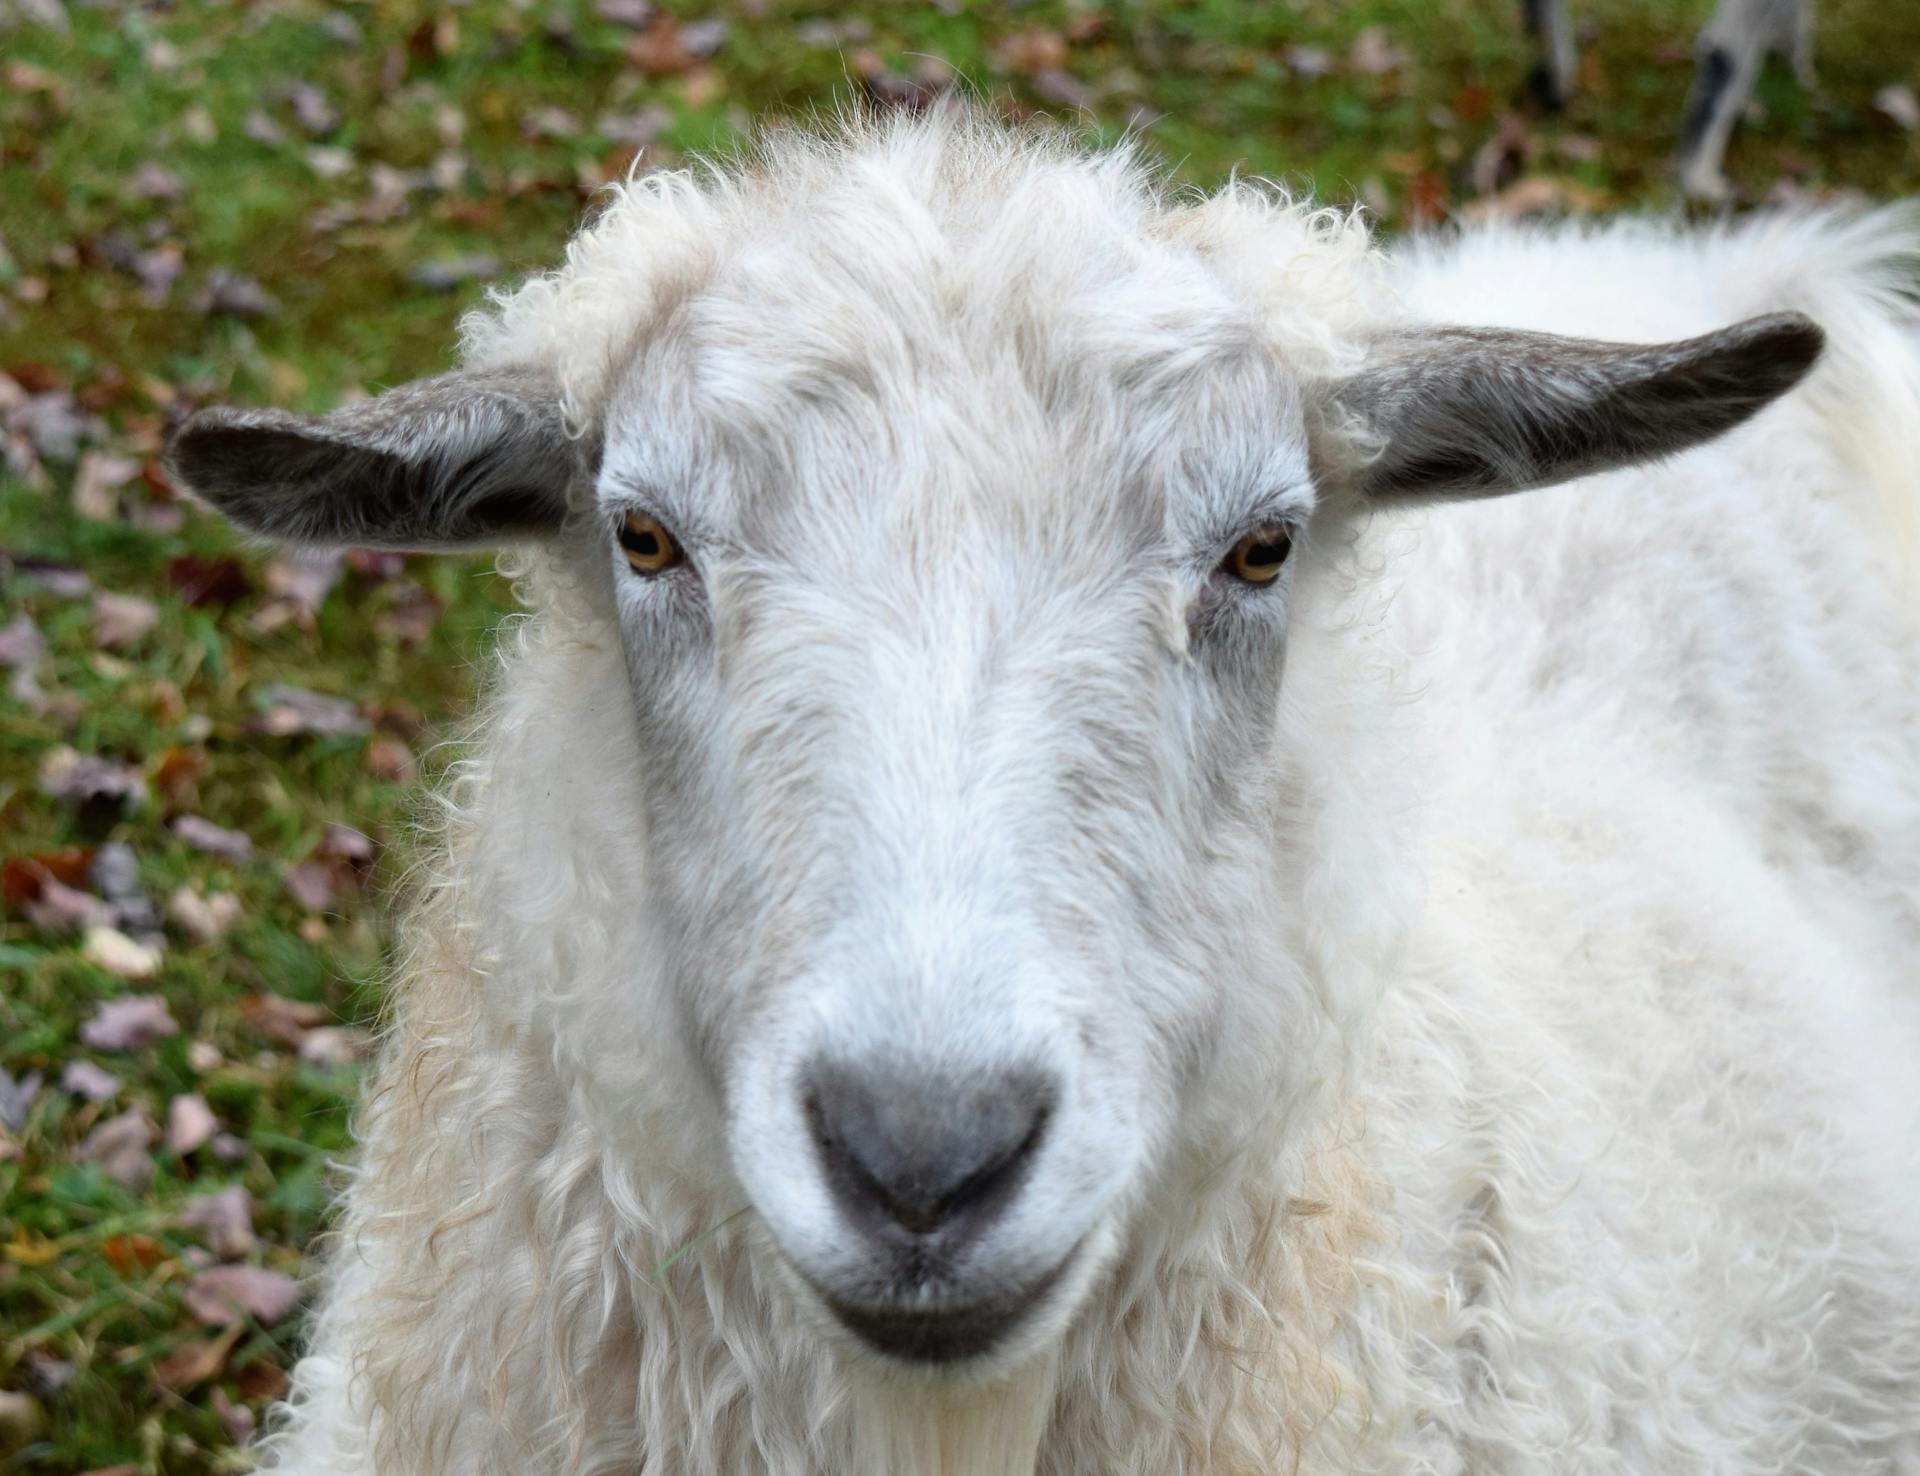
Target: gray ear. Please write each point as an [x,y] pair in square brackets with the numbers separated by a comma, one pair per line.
[1471,412]
[459,460]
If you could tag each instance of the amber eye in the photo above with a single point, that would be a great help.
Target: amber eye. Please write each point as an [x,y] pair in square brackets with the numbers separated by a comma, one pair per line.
[1257,558]
[649,546]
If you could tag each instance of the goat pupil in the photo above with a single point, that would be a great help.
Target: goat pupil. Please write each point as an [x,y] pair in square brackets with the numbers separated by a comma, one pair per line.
[1261,555]
[647,545]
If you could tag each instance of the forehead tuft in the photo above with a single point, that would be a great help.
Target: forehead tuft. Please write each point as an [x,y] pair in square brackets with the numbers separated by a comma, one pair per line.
[899,252]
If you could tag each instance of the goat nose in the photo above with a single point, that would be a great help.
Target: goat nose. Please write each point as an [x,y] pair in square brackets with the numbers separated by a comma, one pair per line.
[923,1153]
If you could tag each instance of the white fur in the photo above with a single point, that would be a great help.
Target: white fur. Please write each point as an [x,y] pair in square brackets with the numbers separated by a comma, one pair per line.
[1502,1062]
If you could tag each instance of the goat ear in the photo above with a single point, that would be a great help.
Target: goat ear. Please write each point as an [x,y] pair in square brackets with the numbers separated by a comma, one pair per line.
[1470,412]
[459,460]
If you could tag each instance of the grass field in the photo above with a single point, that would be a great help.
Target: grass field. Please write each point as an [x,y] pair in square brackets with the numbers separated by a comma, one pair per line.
[206,749]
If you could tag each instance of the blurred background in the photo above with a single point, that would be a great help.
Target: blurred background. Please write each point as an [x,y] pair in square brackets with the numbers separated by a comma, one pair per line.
[207,750]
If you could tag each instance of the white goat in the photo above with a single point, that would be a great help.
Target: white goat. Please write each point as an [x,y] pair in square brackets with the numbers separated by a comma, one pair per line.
[1490,1049]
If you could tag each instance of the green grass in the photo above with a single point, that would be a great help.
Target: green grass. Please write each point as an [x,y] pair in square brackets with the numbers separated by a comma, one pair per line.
[91,1273]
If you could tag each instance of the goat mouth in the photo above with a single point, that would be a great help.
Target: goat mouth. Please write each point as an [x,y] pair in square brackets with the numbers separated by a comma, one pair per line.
[933,1336]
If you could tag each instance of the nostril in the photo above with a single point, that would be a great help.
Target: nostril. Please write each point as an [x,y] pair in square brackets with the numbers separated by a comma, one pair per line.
[924,1153]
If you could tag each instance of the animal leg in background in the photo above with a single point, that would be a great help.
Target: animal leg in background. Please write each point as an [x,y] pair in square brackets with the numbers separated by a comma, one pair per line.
[1551,80]
[1731,49]
[1730,52]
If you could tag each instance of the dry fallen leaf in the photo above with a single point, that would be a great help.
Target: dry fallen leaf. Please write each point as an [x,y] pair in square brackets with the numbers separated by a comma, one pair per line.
[225,1218]
[1373,52]
[236,1418]
[91,780]
[121,956]
[203,835]
[128,1023]
[304,578]
[97,484]
[190,1123]
[131,1254]
[1899,102]
[192,1364]
[335,1045]
[16,1098]
[229,1294]
[21,643]
[284,1020]
[84,1079]
[203,918]
[313,884]
[63,910]
[120,620]
[115,874]
[1032,50]
[120,1146]
[295,710]
[208,581]
[390,759]
[234,294]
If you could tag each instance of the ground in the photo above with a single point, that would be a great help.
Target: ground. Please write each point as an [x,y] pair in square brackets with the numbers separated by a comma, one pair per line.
[207,749]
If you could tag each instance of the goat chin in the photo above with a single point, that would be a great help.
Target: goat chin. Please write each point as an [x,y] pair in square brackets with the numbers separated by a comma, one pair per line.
[918,1429]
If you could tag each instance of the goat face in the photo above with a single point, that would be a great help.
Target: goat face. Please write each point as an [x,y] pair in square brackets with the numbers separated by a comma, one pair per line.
[956,678]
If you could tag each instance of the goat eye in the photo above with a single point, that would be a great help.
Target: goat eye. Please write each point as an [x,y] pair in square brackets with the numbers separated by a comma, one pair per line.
[1256,559]
[650,548]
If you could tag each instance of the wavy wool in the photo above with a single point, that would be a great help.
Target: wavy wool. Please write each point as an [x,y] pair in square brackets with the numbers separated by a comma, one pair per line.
[1577,1130]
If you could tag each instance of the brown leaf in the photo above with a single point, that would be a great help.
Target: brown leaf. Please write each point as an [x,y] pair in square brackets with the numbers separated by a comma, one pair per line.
[177,773]
[131,1254]
[128,1023]
[120,620]
[208,581]
[376,565]
[228,1294]
[190,1123]
[21,877]
[120,1146]
[203,835]
[261,1379]
[225,1218]
[658,50]
[193,1363]
[282,1019]
[1032,50]
[390,759]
